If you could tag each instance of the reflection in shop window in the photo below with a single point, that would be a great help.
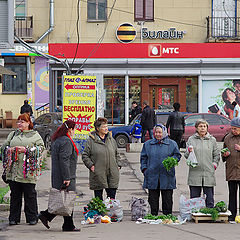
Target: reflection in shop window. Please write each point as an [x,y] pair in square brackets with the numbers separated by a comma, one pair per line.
[114,99]
[192,95]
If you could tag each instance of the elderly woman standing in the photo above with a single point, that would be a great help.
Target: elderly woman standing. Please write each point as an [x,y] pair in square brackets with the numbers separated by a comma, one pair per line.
[156,178]
[21,161]
[203,175]
[101,157]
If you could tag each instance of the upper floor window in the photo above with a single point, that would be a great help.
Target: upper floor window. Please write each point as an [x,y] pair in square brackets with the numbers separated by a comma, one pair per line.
[143,10]
[20,8]
[96,10]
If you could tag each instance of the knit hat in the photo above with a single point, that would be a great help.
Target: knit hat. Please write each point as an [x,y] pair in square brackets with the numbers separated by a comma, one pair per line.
[235,122]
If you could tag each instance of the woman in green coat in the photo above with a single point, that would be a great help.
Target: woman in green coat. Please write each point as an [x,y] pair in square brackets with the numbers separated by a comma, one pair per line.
[101,157]
[203,175]
[22,164]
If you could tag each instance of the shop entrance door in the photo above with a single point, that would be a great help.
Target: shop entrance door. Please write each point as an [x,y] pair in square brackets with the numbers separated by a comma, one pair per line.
[162,97]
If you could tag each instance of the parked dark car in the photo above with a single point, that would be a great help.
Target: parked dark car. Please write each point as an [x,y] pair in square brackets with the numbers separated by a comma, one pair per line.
[219,126]
[122,133]
[46,125]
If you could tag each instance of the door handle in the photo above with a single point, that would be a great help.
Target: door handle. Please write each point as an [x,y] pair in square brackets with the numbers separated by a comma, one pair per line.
[222,127]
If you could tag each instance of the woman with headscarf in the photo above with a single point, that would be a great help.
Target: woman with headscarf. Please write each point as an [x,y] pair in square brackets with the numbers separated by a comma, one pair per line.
[64,163]
[203,175]
[156,178]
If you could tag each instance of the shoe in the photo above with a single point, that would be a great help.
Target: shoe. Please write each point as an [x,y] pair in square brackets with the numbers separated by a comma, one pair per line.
[34,222]
[11,223]
[43,220]
[72,230]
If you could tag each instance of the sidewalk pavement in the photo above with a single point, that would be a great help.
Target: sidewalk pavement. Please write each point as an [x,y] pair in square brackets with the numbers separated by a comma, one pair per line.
[130,185]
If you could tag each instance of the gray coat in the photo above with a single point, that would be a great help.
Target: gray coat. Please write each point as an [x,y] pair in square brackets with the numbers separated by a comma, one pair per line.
[105,158]
[64,163]
[207,153]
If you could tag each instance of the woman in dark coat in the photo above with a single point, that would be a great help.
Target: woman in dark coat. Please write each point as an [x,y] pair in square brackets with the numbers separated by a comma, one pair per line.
[64,163]
[156,178]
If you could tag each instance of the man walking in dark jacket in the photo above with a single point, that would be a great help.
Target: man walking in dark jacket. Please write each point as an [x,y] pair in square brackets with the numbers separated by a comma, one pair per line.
[147,121]
[176,122]
[135,110]
[26,108]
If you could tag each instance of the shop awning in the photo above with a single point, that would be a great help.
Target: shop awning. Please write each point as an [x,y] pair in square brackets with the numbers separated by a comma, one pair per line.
[6,71]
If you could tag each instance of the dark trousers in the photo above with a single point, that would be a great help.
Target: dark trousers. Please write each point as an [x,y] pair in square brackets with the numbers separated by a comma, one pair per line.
[144,131]
[68,224]
[232,189]
[195,191]
[167,201]
[30,201]
[176,135]
[111,193]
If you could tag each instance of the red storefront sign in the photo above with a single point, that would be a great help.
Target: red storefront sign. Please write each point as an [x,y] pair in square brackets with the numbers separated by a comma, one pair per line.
[147,50]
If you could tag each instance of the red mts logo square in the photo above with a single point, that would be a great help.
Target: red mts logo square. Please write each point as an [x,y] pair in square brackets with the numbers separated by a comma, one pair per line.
[154,50]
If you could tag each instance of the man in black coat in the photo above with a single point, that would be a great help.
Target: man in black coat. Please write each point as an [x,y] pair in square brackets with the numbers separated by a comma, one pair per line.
[135,110]
[176,122]
[147,121]
[26,108]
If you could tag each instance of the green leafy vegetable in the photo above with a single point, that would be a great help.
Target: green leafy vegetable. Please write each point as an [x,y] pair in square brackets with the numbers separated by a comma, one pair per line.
[169,163]
[221,206]
[162,217]
[98,205]
[212,211]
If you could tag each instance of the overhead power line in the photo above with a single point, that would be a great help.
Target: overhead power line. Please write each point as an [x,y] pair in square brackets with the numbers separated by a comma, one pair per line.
[99,40]
[47,56]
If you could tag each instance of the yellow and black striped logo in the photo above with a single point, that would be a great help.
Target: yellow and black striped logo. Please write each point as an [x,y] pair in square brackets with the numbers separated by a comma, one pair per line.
[126,33]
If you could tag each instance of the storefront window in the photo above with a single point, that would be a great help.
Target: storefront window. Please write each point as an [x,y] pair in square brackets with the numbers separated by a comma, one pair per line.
[192,95]
[114,99]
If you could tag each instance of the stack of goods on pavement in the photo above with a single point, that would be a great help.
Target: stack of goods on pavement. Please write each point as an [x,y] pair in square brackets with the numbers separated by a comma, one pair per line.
[162,219]
[218,213]
[98,211]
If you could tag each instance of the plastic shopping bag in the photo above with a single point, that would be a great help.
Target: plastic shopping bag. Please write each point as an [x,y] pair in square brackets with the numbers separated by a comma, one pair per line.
[186,205]
[192,160]
[139,208]
[115,210]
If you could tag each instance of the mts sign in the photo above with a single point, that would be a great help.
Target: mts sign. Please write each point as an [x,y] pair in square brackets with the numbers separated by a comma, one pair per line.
[156,50]
[170,50]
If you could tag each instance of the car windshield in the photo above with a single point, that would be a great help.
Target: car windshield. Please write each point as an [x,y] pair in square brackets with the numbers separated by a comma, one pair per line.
[138,117]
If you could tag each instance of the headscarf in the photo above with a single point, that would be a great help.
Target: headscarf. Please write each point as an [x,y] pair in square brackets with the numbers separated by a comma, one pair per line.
[164,130]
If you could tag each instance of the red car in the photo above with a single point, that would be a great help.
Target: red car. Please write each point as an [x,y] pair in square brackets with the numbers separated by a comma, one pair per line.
[219,125]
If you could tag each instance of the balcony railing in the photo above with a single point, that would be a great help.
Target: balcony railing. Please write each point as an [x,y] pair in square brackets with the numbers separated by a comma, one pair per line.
[24,27]
[223,28]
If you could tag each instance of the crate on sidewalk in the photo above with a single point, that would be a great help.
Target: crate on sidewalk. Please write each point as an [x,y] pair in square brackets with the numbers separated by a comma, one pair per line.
[207,217]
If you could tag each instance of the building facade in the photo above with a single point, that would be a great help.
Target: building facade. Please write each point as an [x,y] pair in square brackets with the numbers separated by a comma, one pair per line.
[160,51]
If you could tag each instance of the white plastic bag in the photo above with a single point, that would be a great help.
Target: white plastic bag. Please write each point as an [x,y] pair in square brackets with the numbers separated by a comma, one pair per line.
[192,160]
[186,205]
[115,210]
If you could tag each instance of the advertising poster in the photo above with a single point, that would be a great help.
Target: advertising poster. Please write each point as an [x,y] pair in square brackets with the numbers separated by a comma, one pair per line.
[219,96]
[42,82]
[79,105]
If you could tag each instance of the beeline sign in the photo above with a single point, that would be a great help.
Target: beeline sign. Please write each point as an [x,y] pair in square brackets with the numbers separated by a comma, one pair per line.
[156,50]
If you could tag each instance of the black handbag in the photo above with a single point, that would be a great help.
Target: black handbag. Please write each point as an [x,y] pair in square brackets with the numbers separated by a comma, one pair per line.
[4,174]
[4,177]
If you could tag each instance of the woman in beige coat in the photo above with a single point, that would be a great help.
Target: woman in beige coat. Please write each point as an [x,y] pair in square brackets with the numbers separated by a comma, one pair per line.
[203,175]
[101,157]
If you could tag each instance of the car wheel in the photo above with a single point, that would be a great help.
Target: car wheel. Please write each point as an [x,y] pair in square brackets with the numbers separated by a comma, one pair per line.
[121,140]
[48,142]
